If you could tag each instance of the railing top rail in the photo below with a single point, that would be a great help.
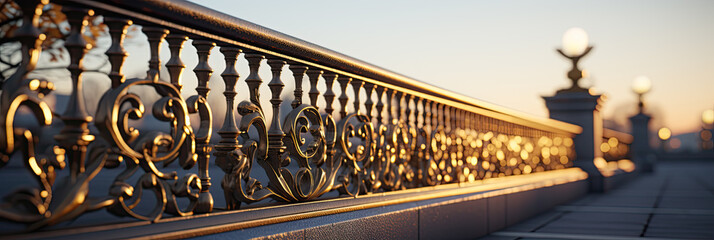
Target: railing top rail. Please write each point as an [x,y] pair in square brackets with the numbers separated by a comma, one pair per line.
[205,22]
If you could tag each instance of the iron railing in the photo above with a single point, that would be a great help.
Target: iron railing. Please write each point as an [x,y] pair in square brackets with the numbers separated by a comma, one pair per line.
[616,154]
[615,145]
[389,133]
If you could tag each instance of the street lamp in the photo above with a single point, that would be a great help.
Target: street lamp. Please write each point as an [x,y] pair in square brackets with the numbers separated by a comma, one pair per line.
[641,85]
[575,46]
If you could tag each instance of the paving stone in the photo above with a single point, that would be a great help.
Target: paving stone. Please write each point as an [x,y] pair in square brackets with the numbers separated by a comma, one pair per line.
[490,237]
[535,222]
[687,203]
[592,230]
[615,201]
[674,185]
[596,217]
[680,233]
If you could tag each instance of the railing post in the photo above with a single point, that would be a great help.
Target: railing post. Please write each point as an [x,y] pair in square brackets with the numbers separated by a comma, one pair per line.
[582,109]
[642,153]
[75,136]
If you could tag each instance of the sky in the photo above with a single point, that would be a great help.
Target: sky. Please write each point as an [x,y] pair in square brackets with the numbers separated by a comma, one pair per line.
[503,52]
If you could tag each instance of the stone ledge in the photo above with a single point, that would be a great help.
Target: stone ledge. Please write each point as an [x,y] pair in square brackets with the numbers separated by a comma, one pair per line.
[414,211]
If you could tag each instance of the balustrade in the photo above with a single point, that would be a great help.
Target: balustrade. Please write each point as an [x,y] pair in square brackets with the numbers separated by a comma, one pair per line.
[401,135]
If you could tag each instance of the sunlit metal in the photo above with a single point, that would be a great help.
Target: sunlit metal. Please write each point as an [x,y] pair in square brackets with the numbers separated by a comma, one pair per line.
[410,136]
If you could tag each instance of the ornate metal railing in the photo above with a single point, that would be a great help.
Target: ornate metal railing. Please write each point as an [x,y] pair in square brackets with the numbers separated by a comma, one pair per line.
[389,133]
[616,155]
[615,145]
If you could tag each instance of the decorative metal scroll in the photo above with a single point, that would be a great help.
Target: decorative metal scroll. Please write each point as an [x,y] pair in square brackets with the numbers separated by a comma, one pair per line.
[614,149]
[401,141]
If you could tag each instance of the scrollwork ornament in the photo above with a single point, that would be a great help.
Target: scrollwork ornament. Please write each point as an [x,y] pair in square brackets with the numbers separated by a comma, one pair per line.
[143,150]
[238,186]
[354,148]
[50,203]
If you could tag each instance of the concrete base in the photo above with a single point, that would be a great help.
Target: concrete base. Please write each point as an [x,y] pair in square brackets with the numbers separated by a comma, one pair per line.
[617,180]
[582,109]
[459,217]
[642,153]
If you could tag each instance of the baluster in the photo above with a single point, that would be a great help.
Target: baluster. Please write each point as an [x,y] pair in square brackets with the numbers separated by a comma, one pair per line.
[408,98]
[357,86]
[368,88]
[447,118]
[116,53]
[390,106]
[399,109]
[417,101]
[229,132]
[380,104]
[75,136]
[155,36]
[329,94]
[344,81]
[314,76]
[253,80]
[175,65]
[441,122]
[203,70]
[298,73]
[459,118]
[478,125]
[432,115]
[29,36]
[460,114]
[427,115]
[473,119]
[466,121]
[275,132]
[454,115]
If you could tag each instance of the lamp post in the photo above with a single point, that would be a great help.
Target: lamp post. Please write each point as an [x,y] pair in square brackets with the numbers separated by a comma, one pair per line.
[575,46]
[642,153]
[578,106]
[640,86]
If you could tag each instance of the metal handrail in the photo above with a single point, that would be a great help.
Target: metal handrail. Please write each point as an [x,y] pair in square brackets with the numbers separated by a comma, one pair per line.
[210,23]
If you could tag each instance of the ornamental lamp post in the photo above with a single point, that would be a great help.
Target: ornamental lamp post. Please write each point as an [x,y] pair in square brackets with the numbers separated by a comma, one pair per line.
[577,105]
[574,47]
[641,151]
[640,86]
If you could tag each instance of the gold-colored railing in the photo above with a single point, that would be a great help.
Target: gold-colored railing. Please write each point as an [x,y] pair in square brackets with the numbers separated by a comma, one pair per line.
[616,153]
[389,133]
[615,145]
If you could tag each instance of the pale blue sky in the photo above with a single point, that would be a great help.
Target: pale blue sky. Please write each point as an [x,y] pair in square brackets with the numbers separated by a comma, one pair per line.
[504,51]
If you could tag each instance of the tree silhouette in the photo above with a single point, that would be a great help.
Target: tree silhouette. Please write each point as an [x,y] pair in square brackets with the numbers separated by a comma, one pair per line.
[53,23]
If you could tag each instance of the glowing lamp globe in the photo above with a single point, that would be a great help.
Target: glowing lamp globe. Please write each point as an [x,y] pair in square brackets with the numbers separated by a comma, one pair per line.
[575,42]
[641,85]
[664,133]
[708,116]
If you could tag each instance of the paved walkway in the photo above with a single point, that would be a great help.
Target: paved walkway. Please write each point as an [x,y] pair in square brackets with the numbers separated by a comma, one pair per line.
[676,202]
